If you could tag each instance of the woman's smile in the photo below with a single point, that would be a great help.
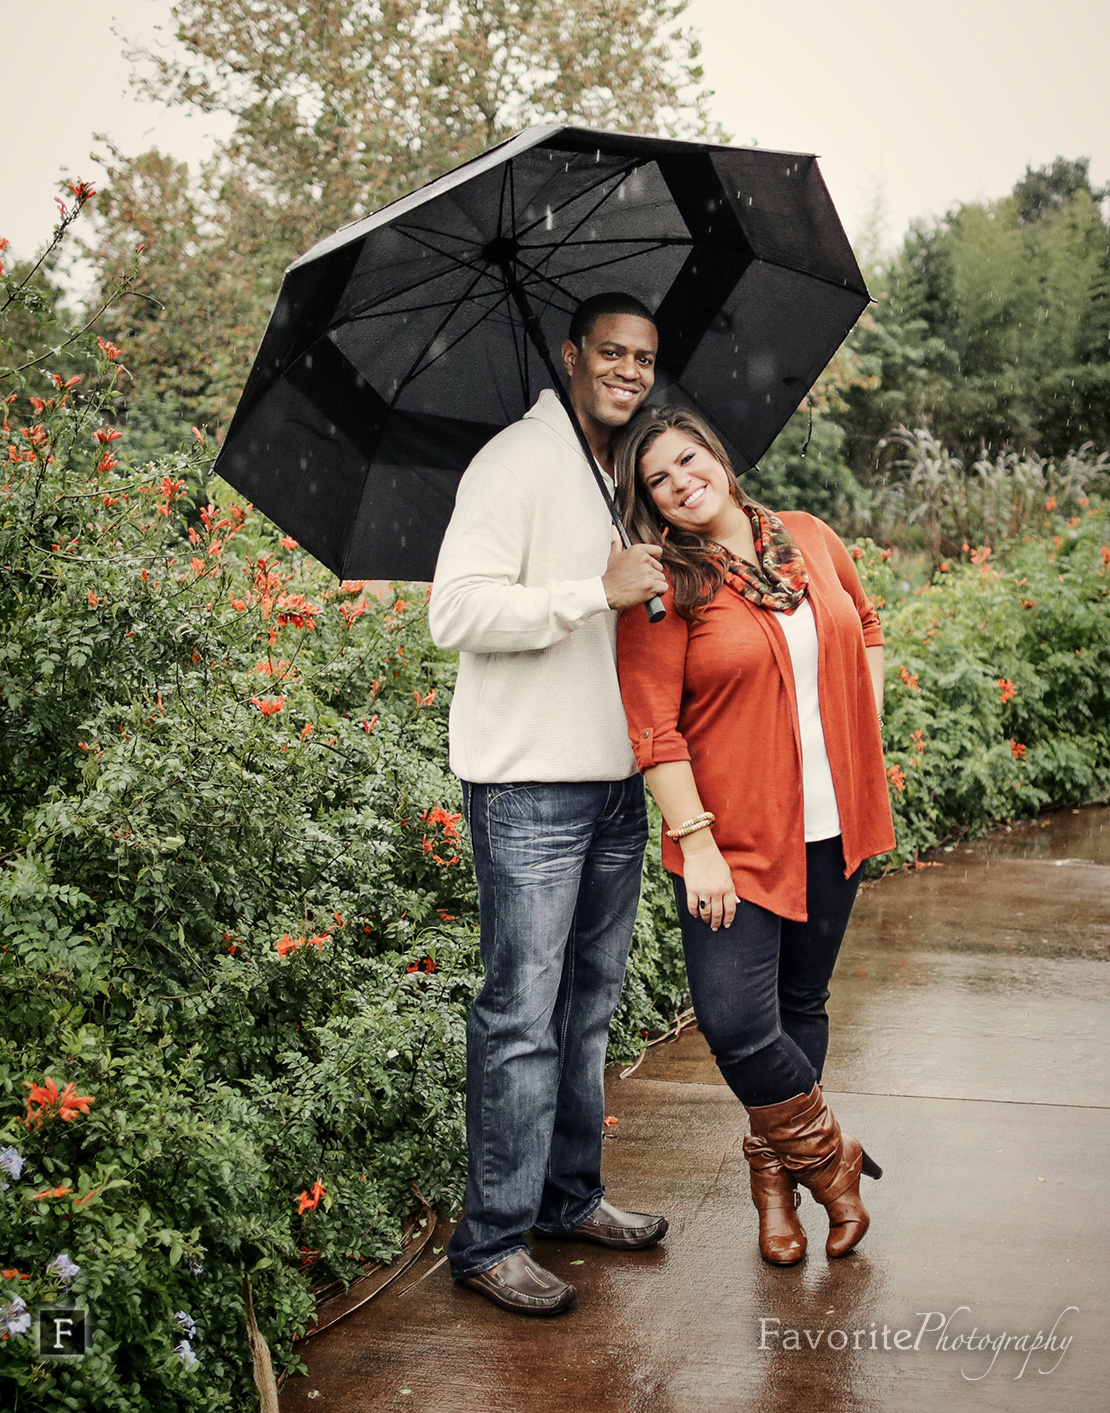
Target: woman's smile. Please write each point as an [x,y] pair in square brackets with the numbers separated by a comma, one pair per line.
[689,485]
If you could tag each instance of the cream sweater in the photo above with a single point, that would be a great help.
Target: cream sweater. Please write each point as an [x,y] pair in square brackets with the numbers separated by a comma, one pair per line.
[518,595]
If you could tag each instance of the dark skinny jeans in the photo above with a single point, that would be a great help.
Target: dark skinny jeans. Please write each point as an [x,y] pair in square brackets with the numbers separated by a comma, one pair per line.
[759,987]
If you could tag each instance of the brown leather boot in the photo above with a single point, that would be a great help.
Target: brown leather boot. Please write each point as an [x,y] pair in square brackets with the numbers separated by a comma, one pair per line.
[807,1139]
[782,1239]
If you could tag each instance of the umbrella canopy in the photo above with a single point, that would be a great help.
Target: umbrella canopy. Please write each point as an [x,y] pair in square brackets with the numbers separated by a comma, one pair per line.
[400,345]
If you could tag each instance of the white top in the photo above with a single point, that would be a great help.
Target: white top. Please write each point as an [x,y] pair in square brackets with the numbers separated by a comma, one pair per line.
[518,594]
[822,818]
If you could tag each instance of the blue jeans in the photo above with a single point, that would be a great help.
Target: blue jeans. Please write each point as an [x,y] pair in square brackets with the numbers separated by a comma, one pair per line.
[759,987]
[558,868]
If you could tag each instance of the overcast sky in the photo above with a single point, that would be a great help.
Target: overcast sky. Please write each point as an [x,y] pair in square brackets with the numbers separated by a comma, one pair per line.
[918,105]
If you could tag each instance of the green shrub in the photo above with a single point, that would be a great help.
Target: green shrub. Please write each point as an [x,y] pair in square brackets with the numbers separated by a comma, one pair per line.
[998,682]
[238,910]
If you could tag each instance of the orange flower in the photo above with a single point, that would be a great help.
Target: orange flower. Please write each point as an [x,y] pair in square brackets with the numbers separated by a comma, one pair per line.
[14,1275]
[309,1204]
[70,1104]
[289,944]
[449,823]
[289,542]
[306,730]
[909,678]
[93,600]
[896,776]
[425,701]
[1007,690]
[610,1121]
[368,726]
[269,706]
[1017,750]
[62,1191]
[44,1102]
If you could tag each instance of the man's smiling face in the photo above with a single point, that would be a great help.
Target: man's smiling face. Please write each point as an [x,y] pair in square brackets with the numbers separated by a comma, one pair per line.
[612,373]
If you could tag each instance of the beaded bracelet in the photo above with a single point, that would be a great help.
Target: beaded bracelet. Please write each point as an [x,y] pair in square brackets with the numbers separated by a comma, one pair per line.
[691,826]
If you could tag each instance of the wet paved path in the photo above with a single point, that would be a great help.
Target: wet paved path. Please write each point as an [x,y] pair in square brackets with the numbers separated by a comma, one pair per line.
[971,1052]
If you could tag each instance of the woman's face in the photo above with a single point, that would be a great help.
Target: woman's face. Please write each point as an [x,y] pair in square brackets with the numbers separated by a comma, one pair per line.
[688,484]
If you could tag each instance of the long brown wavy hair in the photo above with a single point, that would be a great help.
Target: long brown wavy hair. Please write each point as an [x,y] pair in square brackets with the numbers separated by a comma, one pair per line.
[694,565]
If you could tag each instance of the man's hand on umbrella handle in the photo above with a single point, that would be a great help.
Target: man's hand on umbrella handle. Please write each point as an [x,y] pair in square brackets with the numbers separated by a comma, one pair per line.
[632,575]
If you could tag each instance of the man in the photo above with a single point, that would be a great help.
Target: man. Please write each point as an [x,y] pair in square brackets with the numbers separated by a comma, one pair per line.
[529,579]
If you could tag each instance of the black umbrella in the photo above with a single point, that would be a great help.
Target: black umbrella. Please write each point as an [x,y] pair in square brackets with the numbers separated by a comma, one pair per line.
[400,345]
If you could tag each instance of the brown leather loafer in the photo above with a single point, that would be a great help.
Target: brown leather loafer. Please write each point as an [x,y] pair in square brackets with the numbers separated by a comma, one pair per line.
[519,1283]
[609,1226]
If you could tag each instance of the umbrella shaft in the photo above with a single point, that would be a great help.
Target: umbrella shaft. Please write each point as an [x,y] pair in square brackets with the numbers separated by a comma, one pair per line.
[535,333]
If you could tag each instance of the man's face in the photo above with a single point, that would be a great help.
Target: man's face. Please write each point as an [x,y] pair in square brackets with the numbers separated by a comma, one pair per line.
[613,372]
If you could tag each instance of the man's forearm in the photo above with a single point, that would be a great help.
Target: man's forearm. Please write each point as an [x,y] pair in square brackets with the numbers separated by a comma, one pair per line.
[474,614]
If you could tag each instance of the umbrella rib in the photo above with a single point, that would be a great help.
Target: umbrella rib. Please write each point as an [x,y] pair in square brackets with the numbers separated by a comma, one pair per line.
[618,177]
[427,244]
[655,242]
[506,178]
[419,359]
[374,305]
[417,369]
[585,269]
[520,353]
[451,303]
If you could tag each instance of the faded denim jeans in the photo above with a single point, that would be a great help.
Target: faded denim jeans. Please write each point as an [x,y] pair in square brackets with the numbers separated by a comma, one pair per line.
[558,868]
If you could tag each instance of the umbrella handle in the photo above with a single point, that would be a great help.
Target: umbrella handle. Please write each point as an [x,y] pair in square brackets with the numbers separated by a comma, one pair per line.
[655,610]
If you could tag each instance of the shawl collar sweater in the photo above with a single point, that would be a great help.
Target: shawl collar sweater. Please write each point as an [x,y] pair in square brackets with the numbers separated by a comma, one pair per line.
[518,595]
[719,693]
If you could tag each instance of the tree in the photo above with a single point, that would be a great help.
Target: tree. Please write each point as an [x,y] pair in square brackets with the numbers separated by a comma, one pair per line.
[339,107]
[993,326]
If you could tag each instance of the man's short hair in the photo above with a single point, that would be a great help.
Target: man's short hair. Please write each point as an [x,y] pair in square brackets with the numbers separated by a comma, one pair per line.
[591,310]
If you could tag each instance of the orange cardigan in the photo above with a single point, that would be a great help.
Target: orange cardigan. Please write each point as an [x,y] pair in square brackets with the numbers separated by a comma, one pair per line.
[719,692]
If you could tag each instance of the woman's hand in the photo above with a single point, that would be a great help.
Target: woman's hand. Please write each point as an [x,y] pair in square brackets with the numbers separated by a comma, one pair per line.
[708,881]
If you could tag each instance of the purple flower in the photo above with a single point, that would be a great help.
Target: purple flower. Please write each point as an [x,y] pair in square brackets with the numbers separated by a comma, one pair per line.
[183,1350]
[15,1316]
[64,1267]
[11,1161]
[186,1324]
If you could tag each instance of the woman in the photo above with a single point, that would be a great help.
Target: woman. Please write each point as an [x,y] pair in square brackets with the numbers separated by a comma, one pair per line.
[753,709]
